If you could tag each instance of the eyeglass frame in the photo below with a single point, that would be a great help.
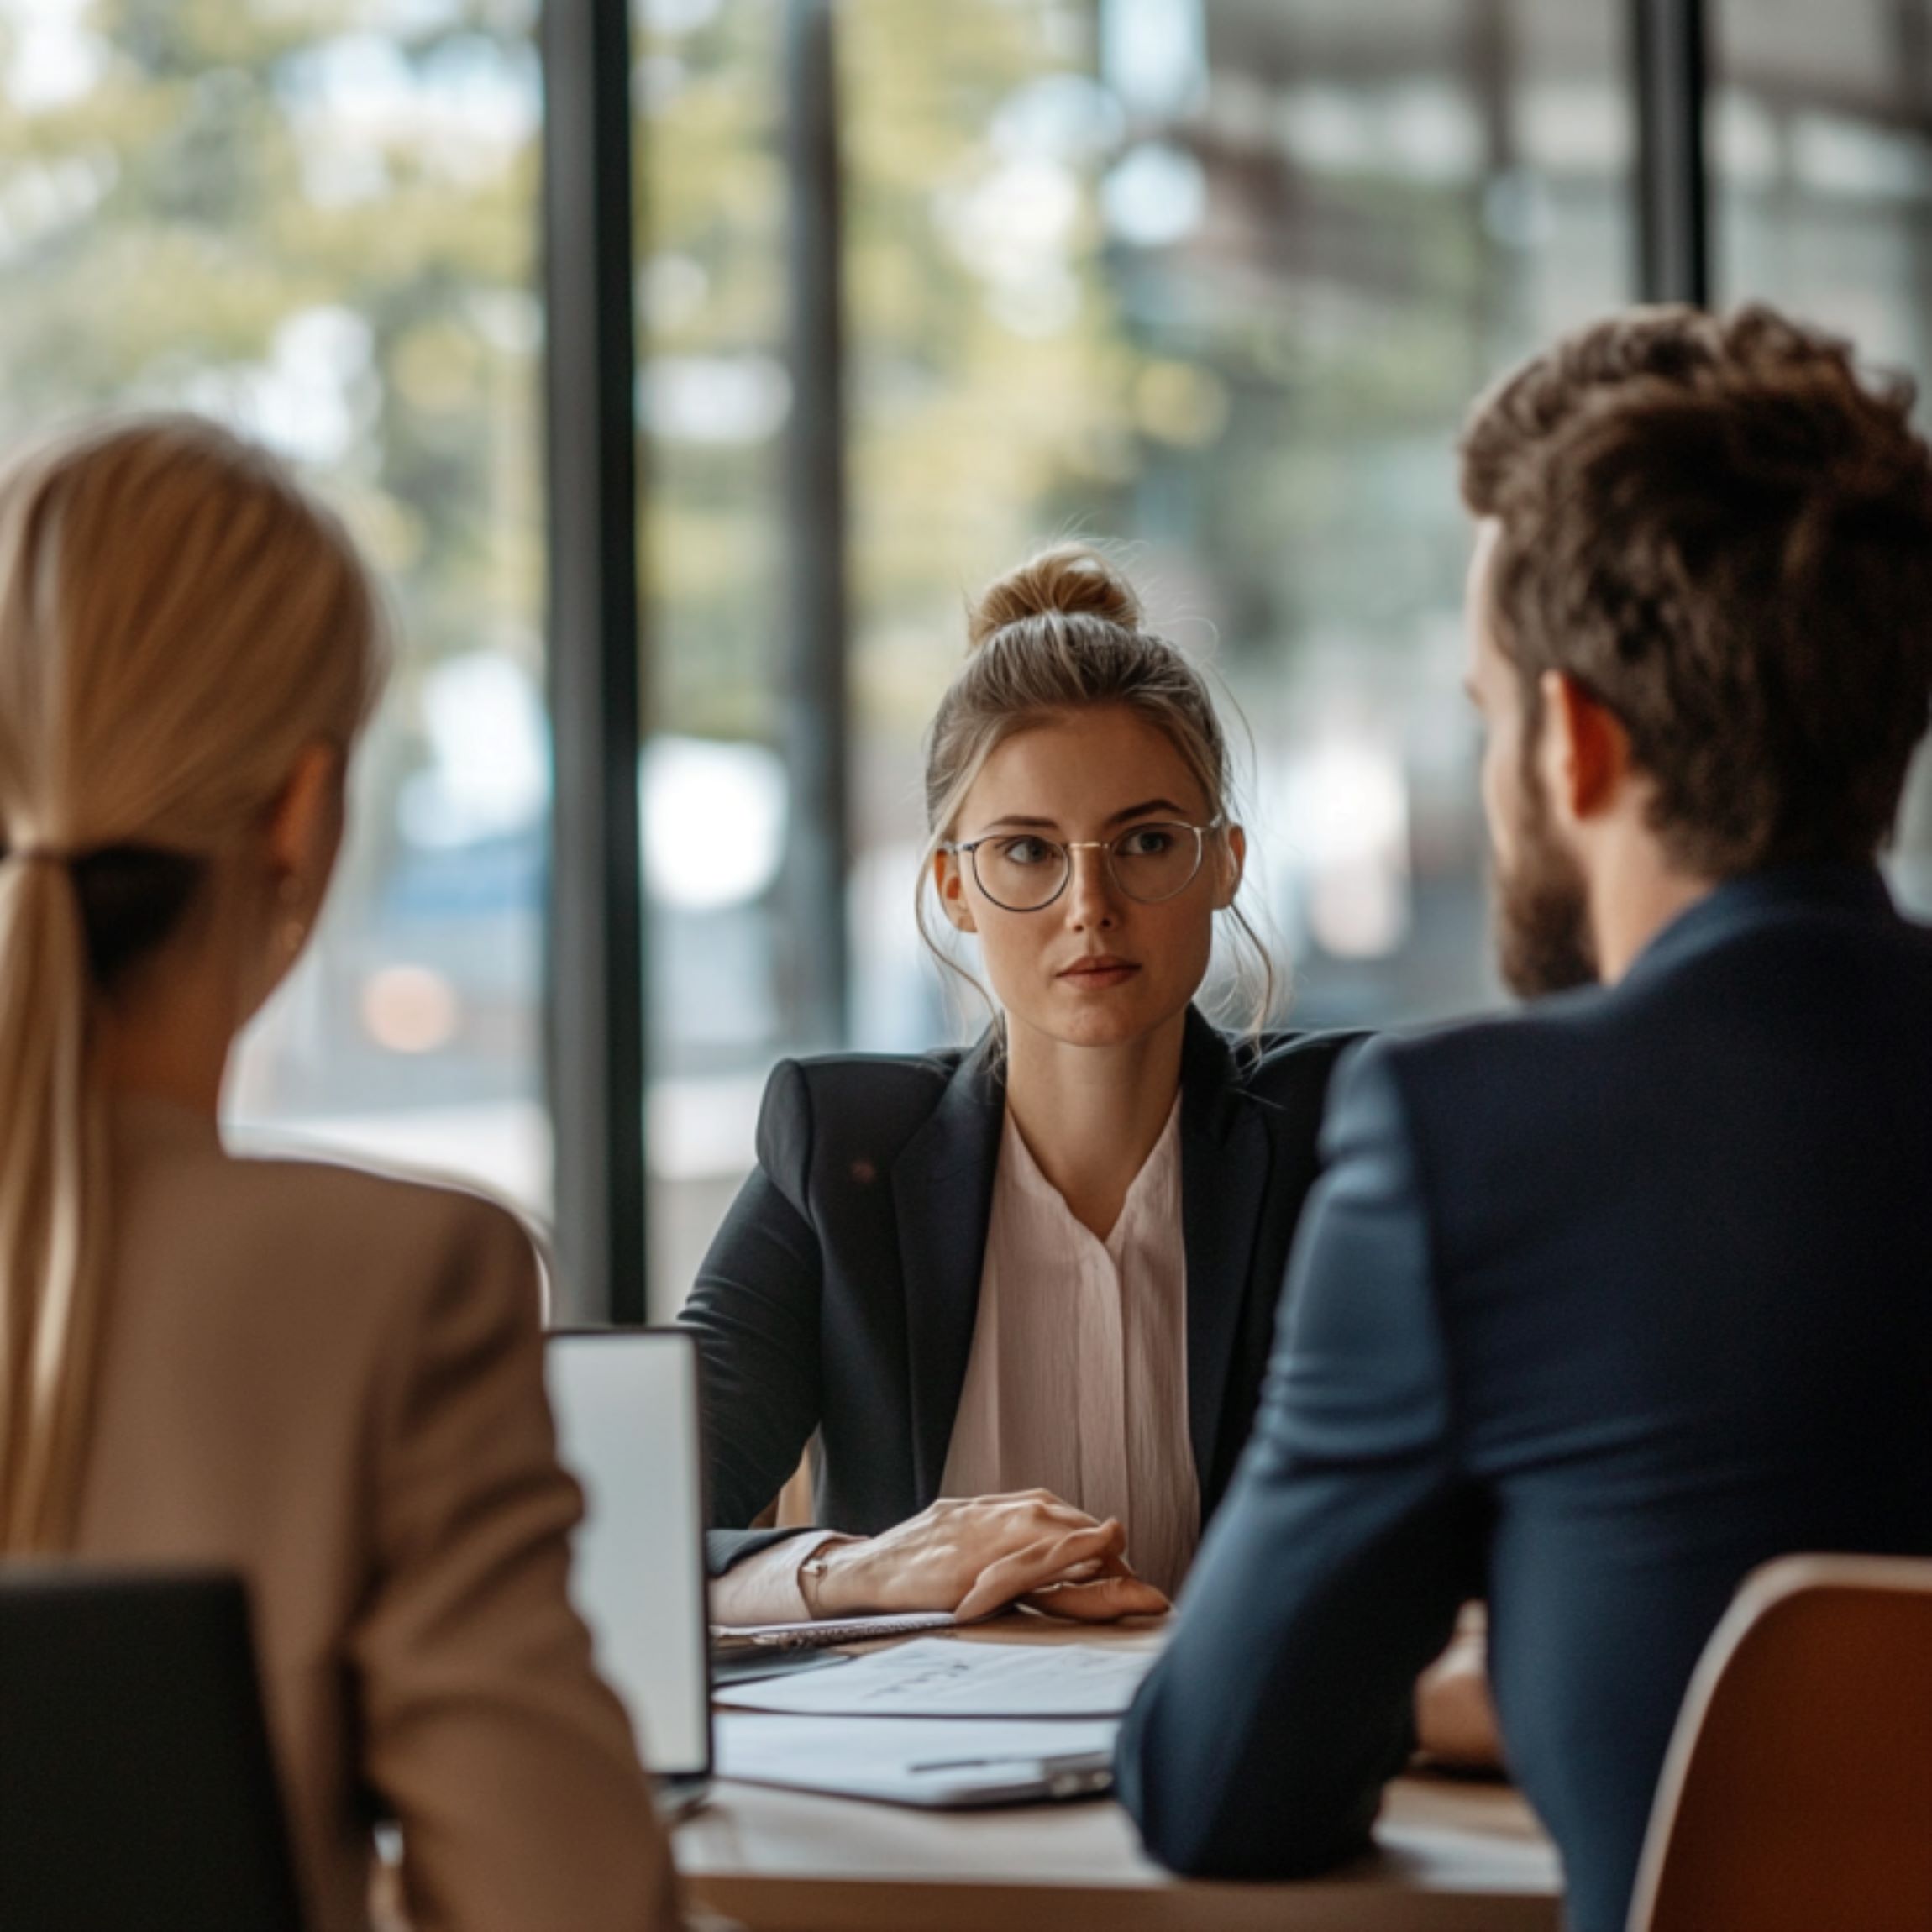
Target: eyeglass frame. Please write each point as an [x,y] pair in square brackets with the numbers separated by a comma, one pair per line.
[1068,846]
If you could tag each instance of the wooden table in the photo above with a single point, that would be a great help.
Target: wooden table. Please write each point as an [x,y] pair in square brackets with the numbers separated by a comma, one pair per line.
[1454,1857]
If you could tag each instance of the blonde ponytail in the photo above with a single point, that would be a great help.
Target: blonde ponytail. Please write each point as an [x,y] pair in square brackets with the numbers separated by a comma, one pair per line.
[52,1170]
[178,622]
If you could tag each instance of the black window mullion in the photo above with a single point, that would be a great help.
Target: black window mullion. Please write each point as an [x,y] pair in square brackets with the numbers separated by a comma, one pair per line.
[813,964]
[1674,217]
[595,1006]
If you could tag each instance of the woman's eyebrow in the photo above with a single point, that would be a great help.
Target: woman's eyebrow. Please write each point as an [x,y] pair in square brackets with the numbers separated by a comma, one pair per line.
[1017,820]
[1166,805]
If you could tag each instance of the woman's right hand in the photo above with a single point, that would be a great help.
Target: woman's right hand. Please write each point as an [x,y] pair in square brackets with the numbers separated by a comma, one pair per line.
[974,1555]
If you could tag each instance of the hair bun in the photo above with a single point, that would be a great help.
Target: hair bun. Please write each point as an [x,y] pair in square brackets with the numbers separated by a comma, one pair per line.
[1070,580]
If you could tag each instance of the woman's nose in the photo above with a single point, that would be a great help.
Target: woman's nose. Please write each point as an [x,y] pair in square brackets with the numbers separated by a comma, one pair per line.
[1091,897]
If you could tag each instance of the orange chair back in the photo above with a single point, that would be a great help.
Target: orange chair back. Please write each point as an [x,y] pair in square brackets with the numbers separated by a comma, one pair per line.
[1797,1794]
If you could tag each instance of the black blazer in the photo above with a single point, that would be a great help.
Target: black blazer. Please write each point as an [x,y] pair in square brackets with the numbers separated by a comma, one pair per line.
[1594,1309]
[841,1294]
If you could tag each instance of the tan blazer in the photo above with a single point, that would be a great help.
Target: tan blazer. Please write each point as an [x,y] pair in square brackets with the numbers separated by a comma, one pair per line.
[333,1382]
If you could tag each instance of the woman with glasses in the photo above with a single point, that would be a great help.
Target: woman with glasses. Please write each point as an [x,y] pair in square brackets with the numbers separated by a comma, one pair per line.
[1022,1296]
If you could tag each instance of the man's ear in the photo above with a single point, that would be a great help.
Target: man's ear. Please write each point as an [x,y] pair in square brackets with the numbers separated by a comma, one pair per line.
[950,882]
[1586,750]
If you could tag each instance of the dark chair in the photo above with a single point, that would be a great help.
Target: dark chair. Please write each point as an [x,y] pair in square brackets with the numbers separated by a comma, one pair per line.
[137,1791]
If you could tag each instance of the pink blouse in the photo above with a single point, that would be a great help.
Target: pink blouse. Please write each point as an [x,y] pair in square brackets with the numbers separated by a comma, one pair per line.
[1077,1382]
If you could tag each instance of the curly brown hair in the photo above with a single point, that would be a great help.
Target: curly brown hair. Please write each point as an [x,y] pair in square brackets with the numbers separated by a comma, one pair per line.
[1723,534]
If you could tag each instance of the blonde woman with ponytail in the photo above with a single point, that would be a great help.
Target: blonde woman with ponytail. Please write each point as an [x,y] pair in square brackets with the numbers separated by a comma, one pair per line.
[329,1382]
[1022,1296]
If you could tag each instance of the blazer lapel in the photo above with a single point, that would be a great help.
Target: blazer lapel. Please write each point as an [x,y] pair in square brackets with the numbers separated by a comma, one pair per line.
[1225,1151]
[942,1194]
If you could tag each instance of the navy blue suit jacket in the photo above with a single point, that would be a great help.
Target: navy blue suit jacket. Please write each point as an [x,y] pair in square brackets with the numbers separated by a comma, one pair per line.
[1595,1308]
[840,1295]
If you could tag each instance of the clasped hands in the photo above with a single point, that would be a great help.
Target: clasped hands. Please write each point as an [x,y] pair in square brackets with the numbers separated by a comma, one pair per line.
[975,1555]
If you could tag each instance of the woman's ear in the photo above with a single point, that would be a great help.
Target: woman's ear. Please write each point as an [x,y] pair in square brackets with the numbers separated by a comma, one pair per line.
[304,828]
[950,883]
[1233,867]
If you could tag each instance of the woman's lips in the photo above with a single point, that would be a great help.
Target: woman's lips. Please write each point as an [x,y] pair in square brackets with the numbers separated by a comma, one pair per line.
[1096,976]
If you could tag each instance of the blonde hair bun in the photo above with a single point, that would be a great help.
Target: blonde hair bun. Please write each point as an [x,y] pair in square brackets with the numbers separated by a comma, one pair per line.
[1070,581]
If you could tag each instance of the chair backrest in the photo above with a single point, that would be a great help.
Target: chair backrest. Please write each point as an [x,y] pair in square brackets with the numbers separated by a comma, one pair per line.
[1797,1793]
[137,1791]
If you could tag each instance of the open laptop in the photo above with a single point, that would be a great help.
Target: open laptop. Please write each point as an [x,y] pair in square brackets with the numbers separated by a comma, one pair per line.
[625,1402]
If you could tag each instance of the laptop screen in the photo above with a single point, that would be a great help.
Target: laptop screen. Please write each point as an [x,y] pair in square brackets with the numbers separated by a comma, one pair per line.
[626,1407]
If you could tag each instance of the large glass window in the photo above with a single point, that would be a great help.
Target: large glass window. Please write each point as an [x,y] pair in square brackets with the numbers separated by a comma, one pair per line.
[316,220]
[1212,279]
[714,399]
[1819,143]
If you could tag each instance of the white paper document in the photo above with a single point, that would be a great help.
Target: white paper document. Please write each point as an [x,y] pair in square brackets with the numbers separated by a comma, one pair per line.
[949,1763]
[935,1676]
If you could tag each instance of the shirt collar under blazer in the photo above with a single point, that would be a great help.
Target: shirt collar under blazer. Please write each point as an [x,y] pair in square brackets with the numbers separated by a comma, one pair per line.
[943,1192]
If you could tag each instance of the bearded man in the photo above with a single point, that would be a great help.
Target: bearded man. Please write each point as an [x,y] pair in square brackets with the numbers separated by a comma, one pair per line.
[1604,1304]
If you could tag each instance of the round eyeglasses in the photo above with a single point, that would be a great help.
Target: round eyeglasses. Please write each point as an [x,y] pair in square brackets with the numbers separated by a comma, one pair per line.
[1022,872]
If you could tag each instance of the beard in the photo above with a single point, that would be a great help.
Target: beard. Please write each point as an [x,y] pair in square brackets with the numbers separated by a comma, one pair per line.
[1544,942]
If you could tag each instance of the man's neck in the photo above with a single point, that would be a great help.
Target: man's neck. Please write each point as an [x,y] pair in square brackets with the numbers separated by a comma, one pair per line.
[1635,893]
